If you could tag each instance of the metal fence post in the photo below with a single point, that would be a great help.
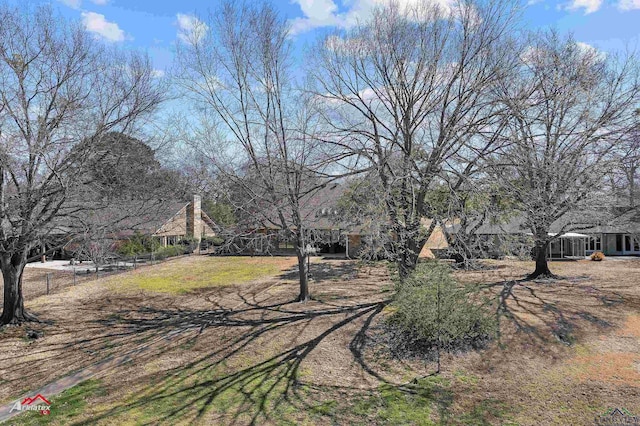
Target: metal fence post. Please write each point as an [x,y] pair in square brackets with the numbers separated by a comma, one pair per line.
[48,281]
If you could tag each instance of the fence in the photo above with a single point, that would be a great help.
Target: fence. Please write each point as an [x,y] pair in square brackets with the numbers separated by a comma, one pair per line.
[40,281]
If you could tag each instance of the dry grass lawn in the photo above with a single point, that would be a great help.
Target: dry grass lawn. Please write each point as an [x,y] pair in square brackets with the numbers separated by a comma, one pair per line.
[195,272]
[184,346]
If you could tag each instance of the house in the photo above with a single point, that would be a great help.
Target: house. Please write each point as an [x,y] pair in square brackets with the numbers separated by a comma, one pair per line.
[181,220]
[515,238]
[333,233]
[330,232]
[617,237]
[169,221]
[582,235]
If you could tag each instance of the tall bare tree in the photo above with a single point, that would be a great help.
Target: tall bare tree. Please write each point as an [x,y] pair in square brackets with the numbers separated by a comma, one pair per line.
[254,125]
[60,90]
[408,90]
[566,110]
[625,178]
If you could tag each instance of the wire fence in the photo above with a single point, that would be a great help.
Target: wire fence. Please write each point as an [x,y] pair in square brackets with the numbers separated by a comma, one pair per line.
[41,281]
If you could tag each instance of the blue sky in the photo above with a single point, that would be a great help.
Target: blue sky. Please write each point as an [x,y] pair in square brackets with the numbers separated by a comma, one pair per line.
[154,25]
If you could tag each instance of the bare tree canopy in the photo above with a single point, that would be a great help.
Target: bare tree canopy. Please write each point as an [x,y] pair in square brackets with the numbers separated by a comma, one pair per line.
[624,177]
[60,92]
[409,92]
[256,127]
[567,108]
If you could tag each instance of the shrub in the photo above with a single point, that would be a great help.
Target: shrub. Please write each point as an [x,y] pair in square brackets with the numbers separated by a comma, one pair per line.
[188,244]
[213,241]
[418,324]
[130,247]
[169,251]
[138,244]
[597,256]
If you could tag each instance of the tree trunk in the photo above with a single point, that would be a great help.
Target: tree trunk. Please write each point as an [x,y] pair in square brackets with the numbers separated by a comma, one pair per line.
[13,309]
[304,273]
[542,267]
[408,256]
[632,187]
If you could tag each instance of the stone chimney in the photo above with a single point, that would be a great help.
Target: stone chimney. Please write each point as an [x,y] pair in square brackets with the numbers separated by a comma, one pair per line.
[194,220]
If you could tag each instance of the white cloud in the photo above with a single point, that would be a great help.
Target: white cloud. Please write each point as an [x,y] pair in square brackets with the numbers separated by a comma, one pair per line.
[75,4]
[190,28]
[629,5]
[97,24]
[318,9]
[590,51]
[589,6]
[323,13]
[157,73]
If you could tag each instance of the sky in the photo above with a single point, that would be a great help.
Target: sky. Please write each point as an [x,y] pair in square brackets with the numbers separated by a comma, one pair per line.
[155,25]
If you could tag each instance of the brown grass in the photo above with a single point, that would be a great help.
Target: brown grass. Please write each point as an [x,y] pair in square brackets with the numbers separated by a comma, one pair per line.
[568,350]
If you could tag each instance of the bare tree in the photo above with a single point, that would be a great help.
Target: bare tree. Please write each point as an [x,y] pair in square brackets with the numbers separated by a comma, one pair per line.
[60,90]
[254,125]
[624,178]
[567,108]
[96,244]
[408,91]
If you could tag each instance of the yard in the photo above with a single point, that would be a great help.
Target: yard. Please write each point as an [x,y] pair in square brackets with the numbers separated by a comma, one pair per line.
[203,340]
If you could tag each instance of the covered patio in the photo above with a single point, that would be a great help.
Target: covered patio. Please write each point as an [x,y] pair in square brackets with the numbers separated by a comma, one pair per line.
[568,246]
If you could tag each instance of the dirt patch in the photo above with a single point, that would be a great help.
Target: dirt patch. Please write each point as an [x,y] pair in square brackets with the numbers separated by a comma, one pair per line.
[631,327]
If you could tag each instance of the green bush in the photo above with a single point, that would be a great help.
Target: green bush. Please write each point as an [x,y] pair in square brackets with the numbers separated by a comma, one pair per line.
[138,244]
[143,245]
[418,324]
[170,251]
[214,241]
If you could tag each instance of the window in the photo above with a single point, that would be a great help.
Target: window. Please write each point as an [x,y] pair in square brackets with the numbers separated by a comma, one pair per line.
[594,243]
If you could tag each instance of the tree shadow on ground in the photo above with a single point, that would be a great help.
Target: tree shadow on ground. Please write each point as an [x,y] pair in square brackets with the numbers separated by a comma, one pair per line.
[244,364]
[326,270]
[543,308]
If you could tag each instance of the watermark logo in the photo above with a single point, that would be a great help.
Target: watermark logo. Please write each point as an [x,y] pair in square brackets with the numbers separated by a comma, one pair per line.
[616,417]
[37,403]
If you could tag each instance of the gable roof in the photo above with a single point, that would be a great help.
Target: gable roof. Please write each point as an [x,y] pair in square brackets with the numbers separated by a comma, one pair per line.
[125,218]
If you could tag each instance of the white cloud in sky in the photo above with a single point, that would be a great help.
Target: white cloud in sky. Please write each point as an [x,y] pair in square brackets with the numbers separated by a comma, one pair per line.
[97,24]
[157,73]
[585,47]
[324,13]
[589,6]
[590,51]
[190,28]
[629,5]
[75,4]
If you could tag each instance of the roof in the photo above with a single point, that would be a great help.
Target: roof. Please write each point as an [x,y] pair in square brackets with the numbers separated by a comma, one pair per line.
[584,221]
[573,235]
[126,217]
[318,210]
[628,222]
